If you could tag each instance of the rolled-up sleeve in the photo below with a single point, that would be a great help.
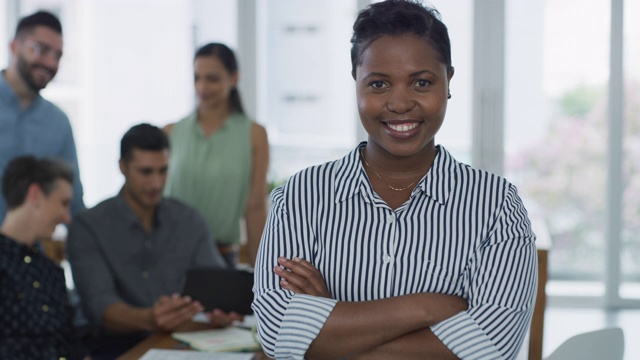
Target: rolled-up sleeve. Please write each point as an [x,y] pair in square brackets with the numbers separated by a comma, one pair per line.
[287,323]
[501,287]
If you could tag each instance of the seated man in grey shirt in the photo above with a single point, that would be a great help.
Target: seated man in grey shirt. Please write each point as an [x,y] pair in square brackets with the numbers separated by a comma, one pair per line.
[129,254]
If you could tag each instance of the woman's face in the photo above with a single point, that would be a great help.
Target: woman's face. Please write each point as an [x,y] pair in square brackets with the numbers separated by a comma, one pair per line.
[401,89]
[212,81]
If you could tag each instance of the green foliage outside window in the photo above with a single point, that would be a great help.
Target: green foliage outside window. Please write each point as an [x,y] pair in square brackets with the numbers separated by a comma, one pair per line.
[566,178]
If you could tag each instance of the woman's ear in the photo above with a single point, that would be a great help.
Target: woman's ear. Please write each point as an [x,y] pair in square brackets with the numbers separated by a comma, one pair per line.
[234,79]
[34,194]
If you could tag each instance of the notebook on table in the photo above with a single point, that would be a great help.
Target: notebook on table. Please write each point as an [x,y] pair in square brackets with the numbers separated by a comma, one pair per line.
[220,340]
[224,289]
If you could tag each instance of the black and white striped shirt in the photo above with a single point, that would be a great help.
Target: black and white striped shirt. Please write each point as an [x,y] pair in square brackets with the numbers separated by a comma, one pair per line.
[463,232]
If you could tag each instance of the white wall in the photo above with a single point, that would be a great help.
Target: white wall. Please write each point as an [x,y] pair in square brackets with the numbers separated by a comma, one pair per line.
[455,134]
[4,35]
[310,107]
[216,21]
[525,116]
[139,70]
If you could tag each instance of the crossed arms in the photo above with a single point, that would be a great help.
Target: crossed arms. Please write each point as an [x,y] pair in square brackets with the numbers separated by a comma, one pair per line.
[332,307]
[387,328]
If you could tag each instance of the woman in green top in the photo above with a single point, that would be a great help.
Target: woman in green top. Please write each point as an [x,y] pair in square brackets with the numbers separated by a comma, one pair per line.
[219,157]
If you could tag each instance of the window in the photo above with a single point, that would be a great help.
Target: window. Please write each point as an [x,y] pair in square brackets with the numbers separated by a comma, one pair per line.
[556,126]
[455,133]
[630,234]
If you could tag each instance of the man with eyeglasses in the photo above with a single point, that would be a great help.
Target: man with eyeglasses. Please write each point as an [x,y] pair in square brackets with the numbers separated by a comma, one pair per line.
[29,124]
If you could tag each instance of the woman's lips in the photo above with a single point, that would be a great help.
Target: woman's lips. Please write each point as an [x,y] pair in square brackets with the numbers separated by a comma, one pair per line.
[402,129]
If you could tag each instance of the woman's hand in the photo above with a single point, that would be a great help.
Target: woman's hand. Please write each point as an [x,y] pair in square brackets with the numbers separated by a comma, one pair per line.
[299,276]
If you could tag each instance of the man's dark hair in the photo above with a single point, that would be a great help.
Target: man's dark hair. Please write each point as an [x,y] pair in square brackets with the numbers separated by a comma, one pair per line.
[395,18]
[23,171]
[143,137]
[41,18]
[228,59]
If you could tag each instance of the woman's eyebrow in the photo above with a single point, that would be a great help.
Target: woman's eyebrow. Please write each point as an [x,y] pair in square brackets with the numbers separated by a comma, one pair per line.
[414,74]
[375,74]
[425,71]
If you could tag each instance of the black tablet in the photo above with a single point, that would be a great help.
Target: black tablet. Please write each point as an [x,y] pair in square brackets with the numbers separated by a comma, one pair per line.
[224,289]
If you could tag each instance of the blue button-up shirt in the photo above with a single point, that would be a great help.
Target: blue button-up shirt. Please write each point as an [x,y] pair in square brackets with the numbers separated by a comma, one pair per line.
[42,130]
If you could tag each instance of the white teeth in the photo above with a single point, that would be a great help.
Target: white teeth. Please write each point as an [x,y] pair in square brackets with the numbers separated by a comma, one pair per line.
[403,128]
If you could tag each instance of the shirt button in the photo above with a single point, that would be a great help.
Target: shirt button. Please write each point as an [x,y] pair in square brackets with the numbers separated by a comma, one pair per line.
[62,358]
[391,218]
[36,284]
[27,259]
[386,258]
[45,308]
[145,274]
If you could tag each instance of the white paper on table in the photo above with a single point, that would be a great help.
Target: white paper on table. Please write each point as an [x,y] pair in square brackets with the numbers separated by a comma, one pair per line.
[248,323]
[157,354]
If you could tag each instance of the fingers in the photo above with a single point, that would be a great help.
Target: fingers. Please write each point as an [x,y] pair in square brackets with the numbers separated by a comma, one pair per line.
[219,318]
[301,277]
[172,320]
[306,264]
[171,312]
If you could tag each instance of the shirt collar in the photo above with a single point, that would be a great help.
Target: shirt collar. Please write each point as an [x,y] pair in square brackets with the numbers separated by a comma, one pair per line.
[7,92]
[11,246]
[437,182]
[192,119]
[132,219]
[351,177]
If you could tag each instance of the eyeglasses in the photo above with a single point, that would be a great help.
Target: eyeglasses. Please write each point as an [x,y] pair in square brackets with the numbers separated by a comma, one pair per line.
[43,50]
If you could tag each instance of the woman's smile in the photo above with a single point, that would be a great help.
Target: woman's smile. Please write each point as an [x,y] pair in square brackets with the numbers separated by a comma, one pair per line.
[402,88]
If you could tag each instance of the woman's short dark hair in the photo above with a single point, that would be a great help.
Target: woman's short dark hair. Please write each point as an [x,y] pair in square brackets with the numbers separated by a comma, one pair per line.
[395,18]
[143,137]
[228,59]
[23,171]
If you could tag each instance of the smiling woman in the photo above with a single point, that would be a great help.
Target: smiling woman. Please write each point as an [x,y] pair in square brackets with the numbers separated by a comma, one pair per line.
[402,101]
[38,193]
[397,249]
[219,157]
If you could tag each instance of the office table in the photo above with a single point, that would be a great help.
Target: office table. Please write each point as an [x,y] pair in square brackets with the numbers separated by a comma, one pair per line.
[163,341]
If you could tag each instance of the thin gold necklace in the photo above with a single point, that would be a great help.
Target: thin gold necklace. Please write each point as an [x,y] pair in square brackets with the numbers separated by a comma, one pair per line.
[380,177]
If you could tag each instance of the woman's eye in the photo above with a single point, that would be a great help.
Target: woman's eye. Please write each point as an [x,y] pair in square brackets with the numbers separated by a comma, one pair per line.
[377,84]
[422,83]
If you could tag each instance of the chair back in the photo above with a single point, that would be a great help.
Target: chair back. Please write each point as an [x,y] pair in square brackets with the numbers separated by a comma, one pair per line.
[605,344]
